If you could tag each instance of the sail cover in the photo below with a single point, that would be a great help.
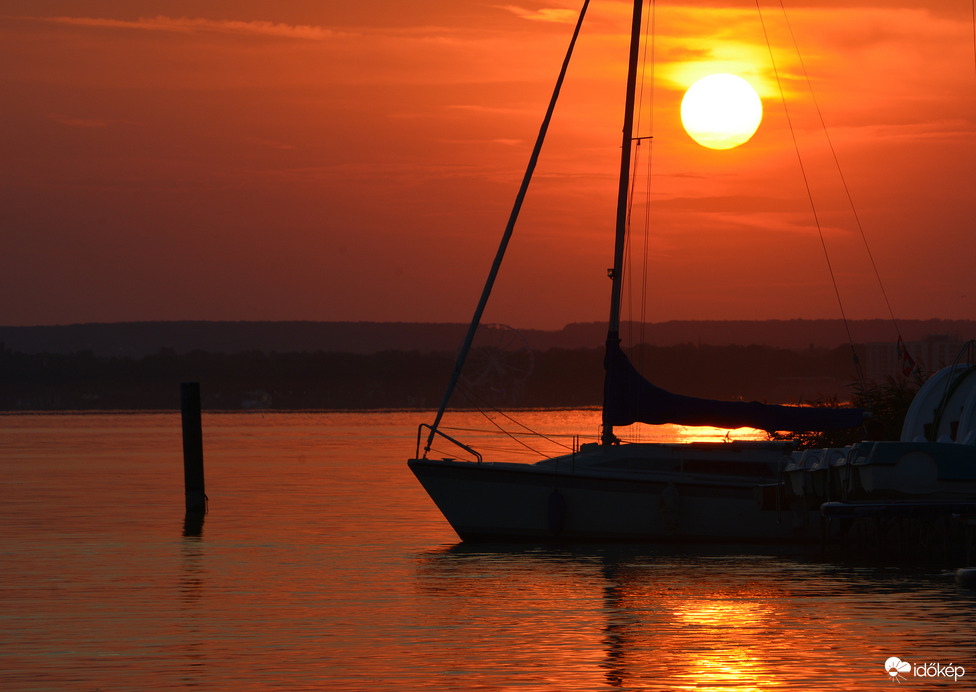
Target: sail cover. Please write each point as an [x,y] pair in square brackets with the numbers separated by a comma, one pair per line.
[629,398]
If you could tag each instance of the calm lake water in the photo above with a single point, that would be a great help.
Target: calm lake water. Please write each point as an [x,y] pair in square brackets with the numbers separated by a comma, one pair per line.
[322,565]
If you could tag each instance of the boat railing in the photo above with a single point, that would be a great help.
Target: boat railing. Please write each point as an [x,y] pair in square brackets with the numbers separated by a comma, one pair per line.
[435,431]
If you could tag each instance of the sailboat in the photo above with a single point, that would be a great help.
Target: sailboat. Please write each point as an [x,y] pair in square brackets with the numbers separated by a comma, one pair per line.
[612,491]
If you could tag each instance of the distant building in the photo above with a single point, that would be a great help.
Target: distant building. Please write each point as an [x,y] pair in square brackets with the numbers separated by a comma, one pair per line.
[933,353]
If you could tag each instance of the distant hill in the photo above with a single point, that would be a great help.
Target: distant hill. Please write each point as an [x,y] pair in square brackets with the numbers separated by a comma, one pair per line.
[137,339]
[397,379]
[792,334]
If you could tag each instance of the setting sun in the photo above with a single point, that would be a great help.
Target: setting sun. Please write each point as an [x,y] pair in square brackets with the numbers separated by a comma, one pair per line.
[721,111]
[253,139]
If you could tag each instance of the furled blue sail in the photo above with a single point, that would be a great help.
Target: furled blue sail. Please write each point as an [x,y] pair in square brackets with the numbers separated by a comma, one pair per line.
[629,398]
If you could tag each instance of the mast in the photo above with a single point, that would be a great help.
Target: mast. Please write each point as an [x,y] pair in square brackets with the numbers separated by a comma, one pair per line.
[623,190]
[507,235]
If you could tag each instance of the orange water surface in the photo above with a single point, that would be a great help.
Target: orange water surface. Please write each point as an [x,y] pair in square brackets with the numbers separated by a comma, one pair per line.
[323,565]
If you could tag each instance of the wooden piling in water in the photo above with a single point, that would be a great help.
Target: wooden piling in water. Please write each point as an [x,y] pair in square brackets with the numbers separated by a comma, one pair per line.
[196,496]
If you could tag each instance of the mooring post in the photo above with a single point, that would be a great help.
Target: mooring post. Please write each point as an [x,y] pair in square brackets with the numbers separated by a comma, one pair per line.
[196,496]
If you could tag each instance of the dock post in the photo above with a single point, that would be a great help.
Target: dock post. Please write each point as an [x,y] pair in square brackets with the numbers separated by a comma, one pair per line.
[196,496]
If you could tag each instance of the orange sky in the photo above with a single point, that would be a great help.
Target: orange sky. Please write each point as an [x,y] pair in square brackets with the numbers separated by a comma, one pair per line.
[243,160]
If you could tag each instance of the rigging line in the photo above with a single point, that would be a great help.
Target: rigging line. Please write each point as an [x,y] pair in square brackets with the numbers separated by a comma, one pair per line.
[512,437]
[648,47]
[509,229]
[649,33]
[548,436]
[647,243]
[628,275]
[628,244]
[480,405]
[626,265]
[840,172]
[493,422]
[650,157]
[628,261]
[813,206]
[636,142]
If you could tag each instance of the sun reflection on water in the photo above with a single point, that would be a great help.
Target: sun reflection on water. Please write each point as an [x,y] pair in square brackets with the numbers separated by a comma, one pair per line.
[735,628]
[323,565]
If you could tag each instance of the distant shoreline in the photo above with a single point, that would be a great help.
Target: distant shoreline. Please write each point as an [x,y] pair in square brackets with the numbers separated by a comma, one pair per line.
[554,379]
[138,339]
[278,411]
[566,377]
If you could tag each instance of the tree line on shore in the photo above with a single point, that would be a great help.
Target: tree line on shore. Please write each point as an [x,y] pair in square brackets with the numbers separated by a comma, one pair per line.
[408,379]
